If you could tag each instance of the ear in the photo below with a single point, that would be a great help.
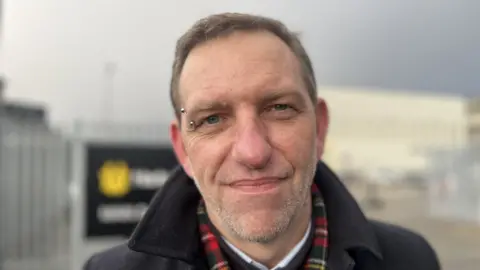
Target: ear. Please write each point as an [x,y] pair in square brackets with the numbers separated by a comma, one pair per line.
[179,147]
[322,120]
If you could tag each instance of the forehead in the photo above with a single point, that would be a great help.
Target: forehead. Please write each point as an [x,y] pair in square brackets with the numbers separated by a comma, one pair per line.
[241,66]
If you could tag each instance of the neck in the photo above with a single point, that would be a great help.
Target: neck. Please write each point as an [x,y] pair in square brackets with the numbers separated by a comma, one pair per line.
[271,253]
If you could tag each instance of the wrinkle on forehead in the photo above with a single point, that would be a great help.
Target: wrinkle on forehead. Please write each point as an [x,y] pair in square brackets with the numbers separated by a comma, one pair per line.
[241,63]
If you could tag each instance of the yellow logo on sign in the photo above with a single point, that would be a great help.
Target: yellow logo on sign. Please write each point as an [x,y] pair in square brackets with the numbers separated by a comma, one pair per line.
[114,179]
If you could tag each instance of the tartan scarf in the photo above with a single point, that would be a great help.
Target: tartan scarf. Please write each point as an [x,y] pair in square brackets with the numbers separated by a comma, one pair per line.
[317,255]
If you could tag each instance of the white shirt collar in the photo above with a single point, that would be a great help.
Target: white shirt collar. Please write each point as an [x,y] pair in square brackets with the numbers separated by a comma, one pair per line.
[283,263]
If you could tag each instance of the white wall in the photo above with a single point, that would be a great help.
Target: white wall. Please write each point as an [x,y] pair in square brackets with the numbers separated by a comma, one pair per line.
[390,129]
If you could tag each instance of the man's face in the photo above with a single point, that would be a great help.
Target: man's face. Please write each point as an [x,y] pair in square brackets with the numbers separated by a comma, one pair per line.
[257,135]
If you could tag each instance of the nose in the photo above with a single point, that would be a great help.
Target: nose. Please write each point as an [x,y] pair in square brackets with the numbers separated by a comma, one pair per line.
[252,147]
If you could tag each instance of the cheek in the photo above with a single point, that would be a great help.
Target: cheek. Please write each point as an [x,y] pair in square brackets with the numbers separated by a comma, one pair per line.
[297,144]
[204,156]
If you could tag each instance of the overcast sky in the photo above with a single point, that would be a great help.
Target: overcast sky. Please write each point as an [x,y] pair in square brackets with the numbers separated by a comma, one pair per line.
[54,51]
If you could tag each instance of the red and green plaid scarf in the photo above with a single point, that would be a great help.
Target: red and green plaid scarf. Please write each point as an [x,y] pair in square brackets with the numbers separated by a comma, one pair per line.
[318,253]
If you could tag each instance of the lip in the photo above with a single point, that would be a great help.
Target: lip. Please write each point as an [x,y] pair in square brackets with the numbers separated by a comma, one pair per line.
[256,186]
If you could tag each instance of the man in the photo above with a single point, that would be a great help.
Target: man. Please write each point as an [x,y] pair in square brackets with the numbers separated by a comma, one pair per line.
[251,192]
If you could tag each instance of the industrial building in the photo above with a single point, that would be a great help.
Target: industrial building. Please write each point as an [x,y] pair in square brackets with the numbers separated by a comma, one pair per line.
[473,120]
[33,186]
[16,112]
[375,130]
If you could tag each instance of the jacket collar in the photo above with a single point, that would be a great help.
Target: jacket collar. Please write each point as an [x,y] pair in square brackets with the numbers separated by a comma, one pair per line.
[349,230]
[169,227]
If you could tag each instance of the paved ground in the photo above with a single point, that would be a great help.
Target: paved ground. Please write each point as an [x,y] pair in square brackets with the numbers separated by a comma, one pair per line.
[457,243]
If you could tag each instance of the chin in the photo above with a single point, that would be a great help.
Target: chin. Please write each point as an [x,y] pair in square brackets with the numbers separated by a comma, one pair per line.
[260,226]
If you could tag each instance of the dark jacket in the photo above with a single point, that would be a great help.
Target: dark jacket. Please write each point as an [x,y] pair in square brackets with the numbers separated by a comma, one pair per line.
[167,237]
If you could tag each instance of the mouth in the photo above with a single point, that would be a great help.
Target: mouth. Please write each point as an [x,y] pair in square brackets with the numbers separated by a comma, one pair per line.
[257,186]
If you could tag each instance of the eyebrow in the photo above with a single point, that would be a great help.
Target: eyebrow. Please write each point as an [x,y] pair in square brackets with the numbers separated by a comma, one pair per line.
[207,106]
[281,94]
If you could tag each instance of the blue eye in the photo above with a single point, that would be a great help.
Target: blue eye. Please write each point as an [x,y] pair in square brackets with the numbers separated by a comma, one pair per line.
[213,119]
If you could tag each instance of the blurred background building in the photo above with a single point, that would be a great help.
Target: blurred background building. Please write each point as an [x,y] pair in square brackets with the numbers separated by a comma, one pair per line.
[375,131]
[33,186]
[473,120]
[23,113]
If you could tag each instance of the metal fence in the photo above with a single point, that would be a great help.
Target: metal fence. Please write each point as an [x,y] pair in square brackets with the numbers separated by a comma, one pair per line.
[33,197]
[35,188]
[454,184]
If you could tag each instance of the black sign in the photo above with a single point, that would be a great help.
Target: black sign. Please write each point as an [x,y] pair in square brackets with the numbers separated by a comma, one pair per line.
[121,181]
